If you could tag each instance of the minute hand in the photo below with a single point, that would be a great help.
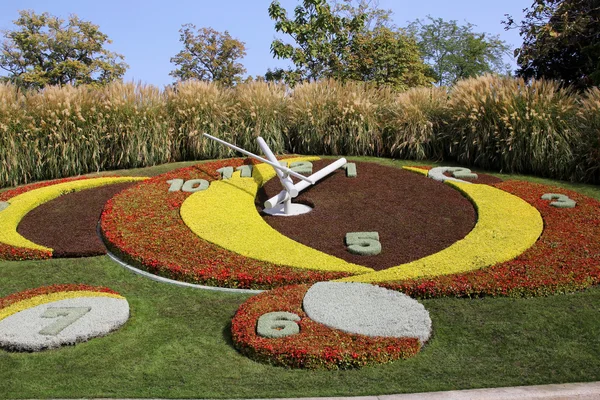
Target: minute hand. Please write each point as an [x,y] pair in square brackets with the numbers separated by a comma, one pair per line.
[272,164]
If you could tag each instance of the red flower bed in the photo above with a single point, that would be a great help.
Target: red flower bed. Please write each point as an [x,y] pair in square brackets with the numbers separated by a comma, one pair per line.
[565,258]
[12,253]
[316,346]
[143,226]
[28,294]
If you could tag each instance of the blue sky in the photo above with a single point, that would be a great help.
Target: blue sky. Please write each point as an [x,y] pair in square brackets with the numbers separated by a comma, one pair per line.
[146,32]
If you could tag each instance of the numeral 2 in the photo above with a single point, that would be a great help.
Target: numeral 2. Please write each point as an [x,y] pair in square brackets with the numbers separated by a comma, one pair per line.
[561,200]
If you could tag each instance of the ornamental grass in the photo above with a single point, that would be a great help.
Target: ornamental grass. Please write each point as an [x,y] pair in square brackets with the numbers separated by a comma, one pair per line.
[413,124]
[194,108]
[496,123]
[587,148]
[329,117]
[509,125]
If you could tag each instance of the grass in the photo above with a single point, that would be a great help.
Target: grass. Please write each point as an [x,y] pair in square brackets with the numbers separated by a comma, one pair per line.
[177,344]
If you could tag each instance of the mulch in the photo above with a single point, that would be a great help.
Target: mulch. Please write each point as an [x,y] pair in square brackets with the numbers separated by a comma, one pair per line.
[68,223]
[414,216]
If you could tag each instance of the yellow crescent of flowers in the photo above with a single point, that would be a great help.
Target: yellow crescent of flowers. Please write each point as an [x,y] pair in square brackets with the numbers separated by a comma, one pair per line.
[22,204]
[506,226]
[50,298]
[224,214]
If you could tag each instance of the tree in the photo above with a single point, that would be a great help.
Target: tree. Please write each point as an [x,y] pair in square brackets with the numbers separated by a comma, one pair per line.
[456,52]
[374,17]
[561,40]
[209,55]
[340,45]
[45,50]
[386,57]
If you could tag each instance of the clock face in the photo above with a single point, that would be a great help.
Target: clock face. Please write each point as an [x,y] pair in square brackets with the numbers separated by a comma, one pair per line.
[203,224]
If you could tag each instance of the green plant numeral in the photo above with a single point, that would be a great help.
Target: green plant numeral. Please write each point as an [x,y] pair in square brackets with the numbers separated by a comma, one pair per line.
[195,185]
[4,205]
[302,167]
[363,243]
[245,171]
[192,185]
[176,185]
[462,173]
[70,314]
[560,200]
[277,324]
[350,170]
[225,172]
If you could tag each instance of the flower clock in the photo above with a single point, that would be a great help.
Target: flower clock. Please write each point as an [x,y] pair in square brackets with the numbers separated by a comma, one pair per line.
[337,286]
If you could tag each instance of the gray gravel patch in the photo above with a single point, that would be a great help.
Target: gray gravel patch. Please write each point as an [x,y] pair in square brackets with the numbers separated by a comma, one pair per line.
[62,322]
[366,309]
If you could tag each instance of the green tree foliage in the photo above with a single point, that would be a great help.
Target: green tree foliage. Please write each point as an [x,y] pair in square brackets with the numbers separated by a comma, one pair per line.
[374,17]
[386,57]
[561,40]
[209,55]
[455,52]
[46,50]
[344,43]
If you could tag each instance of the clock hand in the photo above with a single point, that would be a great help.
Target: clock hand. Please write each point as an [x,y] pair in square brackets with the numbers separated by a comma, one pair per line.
[300,186]
[272,164]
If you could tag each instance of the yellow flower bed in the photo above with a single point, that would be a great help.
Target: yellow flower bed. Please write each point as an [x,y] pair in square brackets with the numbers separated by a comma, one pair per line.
[50,298]
[417,170]
[507,226]
[20,205]
[225,215]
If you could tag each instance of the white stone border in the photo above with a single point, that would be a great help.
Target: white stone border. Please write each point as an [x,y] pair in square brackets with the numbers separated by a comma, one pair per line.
[178,283]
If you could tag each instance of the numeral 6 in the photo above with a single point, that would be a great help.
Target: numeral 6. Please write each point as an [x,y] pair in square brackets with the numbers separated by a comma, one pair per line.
[363,243]
[277,324]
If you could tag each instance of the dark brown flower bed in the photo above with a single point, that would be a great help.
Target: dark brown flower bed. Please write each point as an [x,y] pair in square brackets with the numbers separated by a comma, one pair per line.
[415,217]
[68,223]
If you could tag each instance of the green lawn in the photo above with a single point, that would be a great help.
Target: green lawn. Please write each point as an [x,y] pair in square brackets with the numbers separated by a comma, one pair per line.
[177,343]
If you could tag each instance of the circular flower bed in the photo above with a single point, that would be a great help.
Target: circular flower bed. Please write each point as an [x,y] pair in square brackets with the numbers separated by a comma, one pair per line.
[316,345]
[59,315]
